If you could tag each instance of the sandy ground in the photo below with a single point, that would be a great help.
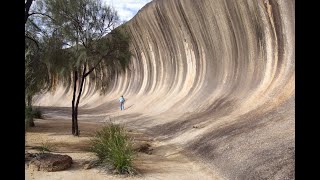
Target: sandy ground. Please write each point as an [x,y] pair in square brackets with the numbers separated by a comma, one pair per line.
[165,162]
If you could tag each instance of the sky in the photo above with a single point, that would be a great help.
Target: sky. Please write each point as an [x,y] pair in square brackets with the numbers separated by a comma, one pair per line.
[126,8]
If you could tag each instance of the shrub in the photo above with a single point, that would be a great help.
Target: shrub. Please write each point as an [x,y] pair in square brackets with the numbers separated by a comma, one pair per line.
[113,147]
[45,147]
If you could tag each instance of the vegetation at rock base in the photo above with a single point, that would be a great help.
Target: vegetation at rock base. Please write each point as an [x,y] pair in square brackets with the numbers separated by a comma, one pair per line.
[113,147]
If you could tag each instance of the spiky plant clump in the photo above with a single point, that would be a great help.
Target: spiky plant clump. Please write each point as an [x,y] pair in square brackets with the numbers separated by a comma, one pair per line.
[113,147]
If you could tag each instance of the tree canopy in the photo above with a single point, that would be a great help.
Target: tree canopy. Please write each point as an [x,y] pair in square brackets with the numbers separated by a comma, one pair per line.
[80,40]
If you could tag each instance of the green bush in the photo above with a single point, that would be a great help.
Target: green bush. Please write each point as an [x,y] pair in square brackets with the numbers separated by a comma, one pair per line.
[113,147]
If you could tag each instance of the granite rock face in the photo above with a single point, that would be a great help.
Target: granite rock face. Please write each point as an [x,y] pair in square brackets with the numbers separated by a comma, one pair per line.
[225,67]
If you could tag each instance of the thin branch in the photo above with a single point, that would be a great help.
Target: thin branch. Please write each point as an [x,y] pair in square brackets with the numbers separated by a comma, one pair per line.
[37,13]
[35,41]
[84,45]
[38,29]
[86,74]
[109,24]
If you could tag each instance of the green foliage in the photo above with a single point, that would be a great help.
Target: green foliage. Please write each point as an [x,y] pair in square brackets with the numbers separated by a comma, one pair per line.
[36,74]
[79,41]
[57,59]
[113,147]
[36,71]
[72,34]
[84,37]
[115,51]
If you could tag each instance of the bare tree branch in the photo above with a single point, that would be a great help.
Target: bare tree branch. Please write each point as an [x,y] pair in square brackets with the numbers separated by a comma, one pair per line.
[86,74]
[37,13]
[35,41]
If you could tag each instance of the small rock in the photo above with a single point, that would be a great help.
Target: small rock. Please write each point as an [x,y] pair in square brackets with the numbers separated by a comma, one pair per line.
[84,163]
[115,171]
[144,148]
[89,165]
[29,156]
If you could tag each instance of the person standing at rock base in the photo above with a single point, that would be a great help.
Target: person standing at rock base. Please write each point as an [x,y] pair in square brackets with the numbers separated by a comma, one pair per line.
[122,100]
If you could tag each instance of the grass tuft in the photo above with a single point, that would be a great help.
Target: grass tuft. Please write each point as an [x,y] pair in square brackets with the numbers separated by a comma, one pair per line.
[113,147]
[45,147]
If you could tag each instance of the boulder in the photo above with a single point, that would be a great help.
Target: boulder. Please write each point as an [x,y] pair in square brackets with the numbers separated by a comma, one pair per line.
[50,162]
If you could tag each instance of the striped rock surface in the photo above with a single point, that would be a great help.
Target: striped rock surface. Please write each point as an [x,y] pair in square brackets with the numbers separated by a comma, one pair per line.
[215,77]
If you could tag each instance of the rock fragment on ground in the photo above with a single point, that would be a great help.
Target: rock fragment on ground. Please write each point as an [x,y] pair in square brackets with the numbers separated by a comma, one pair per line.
[143,147]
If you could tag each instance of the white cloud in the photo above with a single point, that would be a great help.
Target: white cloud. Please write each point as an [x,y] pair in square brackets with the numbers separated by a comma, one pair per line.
[126,8]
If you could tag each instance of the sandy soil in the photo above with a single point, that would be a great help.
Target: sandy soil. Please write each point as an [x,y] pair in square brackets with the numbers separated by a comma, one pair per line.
[165,162]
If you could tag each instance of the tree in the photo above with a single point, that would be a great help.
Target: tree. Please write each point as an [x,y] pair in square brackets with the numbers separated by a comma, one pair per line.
[84,30]
[36,73]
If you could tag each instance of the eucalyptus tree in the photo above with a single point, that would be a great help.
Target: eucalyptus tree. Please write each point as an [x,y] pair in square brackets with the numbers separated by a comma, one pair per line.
[93,47]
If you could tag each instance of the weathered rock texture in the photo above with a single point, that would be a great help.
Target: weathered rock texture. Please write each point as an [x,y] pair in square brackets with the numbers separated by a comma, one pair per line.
[226,67]
[50,162]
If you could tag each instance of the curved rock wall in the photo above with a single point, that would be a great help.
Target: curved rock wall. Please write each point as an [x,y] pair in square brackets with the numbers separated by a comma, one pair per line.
[224,67]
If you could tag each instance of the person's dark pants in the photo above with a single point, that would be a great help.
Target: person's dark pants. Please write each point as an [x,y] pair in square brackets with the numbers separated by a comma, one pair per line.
[121,106]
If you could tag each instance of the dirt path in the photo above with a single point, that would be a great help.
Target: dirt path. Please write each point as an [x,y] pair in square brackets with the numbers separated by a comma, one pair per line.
[165,161]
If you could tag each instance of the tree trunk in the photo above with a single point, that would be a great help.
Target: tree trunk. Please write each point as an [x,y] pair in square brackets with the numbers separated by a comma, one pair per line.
[78,100]
[75,79]
[31,122]
[29,103]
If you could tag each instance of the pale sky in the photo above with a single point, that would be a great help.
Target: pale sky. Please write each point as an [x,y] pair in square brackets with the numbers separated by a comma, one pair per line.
[126,8]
